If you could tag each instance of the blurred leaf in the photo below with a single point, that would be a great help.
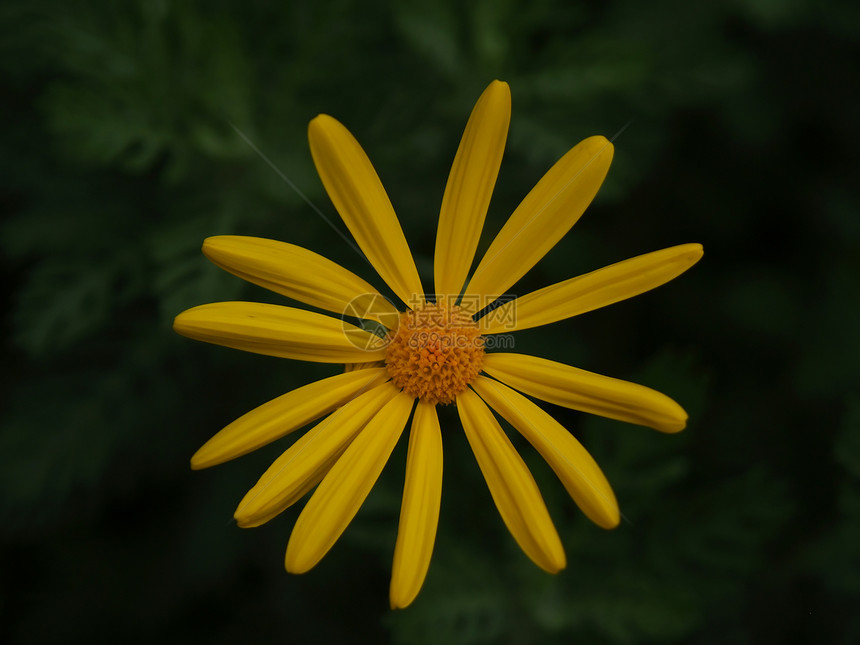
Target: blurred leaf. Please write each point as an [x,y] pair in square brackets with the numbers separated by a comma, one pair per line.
[67,301]
[834,557]
[433,30]
[148,84]
[468,606]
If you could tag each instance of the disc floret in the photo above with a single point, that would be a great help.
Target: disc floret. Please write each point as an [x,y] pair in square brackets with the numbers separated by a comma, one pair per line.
[435,352]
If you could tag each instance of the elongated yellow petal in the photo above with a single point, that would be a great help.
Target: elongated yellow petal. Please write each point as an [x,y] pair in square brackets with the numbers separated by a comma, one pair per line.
[419,513]
[306,462]
[359,197]
[542,218]
[280,331]
[283,415]
[576,469]
[470,186]
[345,487]
[511,484]
[574,388]
[299,274]
[593,290]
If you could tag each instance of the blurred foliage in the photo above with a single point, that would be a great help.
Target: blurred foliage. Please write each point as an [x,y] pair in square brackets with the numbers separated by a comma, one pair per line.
[124,145]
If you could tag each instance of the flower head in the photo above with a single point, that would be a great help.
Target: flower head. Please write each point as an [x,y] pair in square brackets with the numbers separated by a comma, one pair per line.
[434,352]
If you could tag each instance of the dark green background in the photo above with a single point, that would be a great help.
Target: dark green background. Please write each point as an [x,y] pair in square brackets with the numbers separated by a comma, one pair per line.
[118,158]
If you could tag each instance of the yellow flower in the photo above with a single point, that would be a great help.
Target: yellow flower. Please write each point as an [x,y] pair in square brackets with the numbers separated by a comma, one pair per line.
[434,352]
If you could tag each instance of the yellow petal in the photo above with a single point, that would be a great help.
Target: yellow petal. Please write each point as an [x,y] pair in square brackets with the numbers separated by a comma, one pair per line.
[511,484]
[280,331]
[580,390]
[593,290]
[345,487]
[419,513]
[576,469]
[299,274]
[283,415]
[542,218]
[349,367]
[470,186]
[359,197]
[306,462]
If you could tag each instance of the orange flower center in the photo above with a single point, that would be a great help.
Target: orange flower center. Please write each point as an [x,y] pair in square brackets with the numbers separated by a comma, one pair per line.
[435,353]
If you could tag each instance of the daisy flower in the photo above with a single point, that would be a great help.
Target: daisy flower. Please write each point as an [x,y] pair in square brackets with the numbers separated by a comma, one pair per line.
[434,351]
